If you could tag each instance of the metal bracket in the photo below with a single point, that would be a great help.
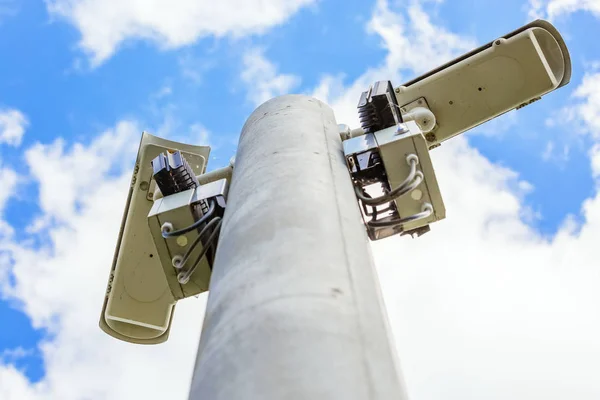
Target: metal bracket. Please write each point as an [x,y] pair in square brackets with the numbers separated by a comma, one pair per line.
[384,159]
[177,212]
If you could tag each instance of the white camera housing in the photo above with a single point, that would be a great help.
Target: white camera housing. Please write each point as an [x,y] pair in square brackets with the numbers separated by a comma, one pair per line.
[510,72]
[507,73]
[138,306]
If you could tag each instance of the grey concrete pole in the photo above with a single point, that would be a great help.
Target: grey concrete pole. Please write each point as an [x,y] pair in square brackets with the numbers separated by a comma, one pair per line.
[294,309]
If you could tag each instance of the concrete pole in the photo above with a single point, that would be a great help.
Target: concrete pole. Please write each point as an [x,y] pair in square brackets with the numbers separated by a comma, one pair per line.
[294,309]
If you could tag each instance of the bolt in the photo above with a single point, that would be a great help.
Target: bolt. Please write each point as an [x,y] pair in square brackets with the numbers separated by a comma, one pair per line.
[176,261]
[144,185]
[416,194]
[397,90]
[166,227]
[182,241]
[401,129]
[430,137]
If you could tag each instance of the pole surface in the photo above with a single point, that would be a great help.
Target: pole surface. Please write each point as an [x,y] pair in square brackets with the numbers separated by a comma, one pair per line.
[294,309]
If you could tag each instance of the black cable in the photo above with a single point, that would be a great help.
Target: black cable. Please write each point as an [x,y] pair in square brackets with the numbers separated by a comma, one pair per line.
[399,221]
[211,243]
[373,208]
[184,276]
[195,225]
[413,180]
[203,232]
[405,187]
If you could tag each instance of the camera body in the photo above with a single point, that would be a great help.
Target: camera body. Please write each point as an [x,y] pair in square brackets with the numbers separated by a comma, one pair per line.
[508,73]
[401,125]
[138,305]
[169,187]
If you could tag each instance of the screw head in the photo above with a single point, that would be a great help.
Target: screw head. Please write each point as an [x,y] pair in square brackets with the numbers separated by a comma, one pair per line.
[401,129]
[166,227]
[182,241]
[416,194]
[430,137]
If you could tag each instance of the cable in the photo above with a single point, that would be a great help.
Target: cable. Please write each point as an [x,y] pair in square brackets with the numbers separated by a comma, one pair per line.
[412,160]
[413,175]
[184,276]
[427,211]
[195,225]
[189,251]
[393,195]
[373,213]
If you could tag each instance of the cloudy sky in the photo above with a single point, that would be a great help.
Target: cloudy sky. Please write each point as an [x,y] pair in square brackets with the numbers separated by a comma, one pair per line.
[500,301]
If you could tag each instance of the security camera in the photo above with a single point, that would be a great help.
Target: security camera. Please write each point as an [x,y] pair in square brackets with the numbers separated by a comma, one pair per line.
[401,125]
[508,73]
[139,303]
[171,224]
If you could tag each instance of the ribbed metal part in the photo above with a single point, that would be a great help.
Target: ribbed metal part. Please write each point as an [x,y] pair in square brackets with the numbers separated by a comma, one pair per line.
[375,107]
[172,173]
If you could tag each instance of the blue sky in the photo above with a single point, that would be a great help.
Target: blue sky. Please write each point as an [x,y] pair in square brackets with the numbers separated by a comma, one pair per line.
[80,80]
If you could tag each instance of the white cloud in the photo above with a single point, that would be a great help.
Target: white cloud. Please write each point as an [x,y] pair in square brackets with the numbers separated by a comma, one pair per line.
[12,126]
[195,67]
[535,9]
[164,91]
[414,41]
[552,9]
[262,79]
[8,8]
[414,45]
[61,285]
[8,182]
[17,353]
[498,126]
[106,24]
[595,157]
[581,116]
[68,178]
[586,111]
[549,150]
[482,307]
[199,133]
[558,156]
